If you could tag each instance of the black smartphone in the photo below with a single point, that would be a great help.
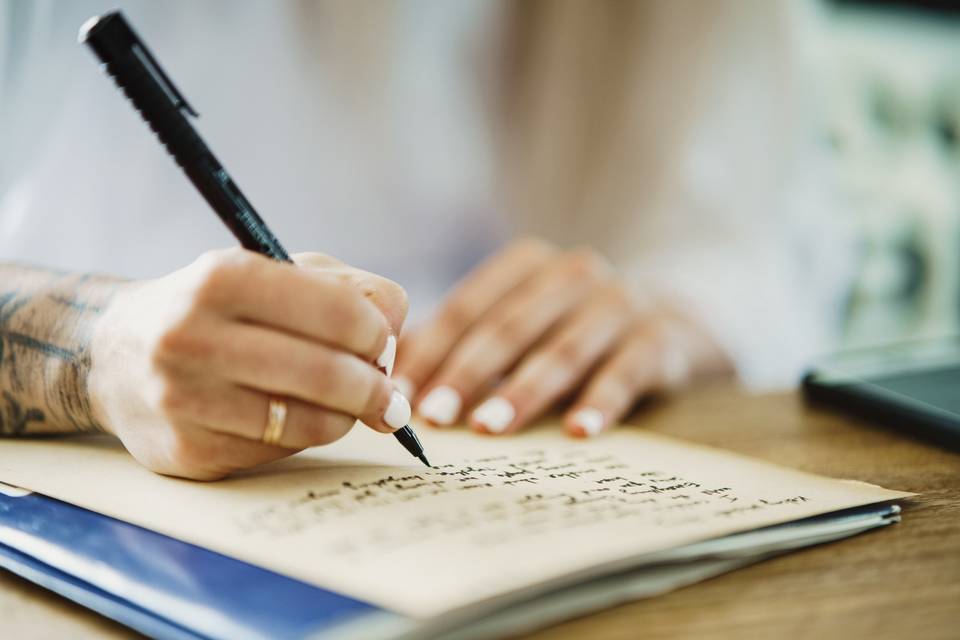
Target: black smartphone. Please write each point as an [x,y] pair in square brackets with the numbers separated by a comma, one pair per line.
[914,387]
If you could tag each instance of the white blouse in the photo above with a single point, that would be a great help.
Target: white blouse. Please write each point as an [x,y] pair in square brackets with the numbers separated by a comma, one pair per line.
[404,186]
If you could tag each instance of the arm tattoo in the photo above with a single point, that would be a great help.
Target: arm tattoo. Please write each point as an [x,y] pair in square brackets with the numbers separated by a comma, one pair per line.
[46,320]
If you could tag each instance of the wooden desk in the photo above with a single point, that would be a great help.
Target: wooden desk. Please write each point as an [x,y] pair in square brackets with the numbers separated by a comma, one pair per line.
[899,582]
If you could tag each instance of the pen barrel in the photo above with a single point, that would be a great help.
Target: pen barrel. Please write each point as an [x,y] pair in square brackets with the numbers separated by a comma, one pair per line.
[189,151]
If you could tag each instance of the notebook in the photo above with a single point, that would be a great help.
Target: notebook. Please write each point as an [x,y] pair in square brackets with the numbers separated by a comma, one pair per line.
[502,535]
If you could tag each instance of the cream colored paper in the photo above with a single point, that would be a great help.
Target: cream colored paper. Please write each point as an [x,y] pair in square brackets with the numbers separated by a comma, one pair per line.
[494,516]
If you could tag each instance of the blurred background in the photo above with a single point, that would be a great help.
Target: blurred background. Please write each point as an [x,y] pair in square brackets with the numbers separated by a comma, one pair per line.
[398,117]
[889,77]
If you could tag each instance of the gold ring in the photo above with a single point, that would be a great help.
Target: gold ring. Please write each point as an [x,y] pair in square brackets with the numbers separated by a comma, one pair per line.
[276,420]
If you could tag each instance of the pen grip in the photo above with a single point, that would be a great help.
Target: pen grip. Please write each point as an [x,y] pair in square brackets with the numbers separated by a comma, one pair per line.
[191,153]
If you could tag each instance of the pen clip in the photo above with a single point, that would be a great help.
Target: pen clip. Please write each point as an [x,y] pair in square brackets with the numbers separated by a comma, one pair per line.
[145,57]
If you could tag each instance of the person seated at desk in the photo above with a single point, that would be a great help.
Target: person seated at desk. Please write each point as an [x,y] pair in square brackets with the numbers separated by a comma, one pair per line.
[666,137]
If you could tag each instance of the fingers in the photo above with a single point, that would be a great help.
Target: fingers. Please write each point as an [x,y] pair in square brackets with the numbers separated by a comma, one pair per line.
[276,363]
[386,295]
[556,368]
[238,411]
[425,349]
[325,306]
[391,300]
[635,368]
[508,331]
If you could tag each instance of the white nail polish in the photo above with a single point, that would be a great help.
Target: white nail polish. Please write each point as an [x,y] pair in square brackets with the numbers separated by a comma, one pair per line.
[404,385]
[388,355]
[397,414]
[495,414]
[590,420]
[442,405]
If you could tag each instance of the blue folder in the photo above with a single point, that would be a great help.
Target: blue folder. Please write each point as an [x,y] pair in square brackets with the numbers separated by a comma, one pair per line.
[166,588]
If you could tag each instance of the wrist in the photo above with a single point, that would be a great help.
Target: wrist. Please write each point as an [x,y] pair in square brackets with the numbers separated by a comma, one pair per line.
[105,354]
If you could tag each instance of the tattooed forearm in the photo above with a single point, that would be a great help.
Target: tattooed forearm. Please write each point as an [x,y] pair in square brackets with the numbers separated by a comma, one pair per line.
[46,319]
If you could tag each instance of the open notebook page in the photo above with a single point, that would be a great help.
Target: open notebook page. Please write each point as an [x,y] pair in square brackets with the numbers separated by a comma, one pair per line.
[495,515]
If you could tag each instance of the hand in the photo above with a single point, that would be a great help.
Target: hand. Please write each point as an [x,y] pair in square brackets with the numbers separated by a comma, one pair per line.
[183,367]
[532,325]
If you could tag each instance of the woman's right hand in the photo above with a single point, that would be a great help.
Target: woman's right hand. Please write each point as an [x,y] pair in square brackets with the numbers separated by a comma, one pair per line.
[183,367]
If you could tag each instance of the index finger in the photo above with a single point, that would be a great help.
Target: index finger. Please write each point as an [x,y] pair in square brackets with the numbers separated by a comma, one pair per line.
[318,305]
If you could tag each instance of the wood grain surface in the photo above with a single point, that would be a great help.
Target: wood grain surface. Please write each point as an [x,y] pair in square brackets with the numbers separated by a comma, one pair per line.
[899,582]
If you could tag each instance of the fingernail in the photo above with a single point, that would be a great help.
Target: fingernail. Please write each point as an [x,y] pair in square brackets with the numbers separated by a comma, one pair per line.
[442,405]
[397,414]
[404,385]
[388,355]
[590,420]
[495,414]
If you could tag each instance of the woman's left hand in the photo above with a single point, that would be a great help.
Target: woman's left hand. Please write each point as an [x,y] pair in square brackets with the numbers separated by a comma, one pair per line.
[532,325]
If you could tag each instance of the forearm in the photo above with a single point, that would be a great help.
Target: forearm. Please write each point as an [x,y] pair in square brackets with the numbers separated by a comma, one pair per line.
[46,321]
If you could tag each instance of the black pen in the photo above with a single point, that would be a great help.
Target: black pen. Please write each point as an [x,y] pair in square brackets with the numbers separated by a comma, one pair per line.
[137,73]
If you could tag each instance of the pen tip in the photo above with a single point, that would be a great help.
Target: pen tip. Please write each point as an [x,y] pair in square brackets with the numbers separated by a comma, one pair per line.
[423,459]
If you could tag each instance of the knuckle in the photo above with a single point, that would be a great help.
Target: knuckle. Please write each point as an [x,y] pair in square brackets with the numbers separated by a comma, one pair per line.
[177,344]
[533,247]
[213,283]
[210,259]
[584,263]
[465,374]
[568,352]
[219,273]
[508,329]
[616,296]
[455,315]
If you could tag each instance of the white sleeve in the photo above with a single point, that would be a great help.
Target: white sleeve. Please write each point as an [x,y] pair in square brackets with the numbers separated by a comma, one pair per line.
[746,241]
